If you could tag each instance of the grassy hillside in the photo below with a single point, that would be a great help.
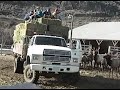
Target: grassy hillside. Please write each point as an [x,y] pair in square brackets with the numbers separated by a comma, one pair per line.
[13,12]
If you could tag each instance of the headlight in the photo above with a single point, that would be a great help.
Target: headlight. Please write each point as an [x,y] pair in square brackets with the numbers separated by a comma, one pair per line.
[75,60]
[69,53]
[35,57]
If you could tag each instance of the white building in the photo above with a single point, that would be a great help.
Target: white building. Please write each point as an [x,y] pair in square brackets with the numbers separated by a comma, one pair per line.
[101,33]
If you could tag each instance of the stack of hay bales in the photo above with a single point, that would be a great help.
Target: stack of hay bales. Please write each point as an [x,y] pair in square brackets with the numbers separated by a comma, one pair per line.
[54,27]
[41,25]
[27,28]
[35,27]
[18,32]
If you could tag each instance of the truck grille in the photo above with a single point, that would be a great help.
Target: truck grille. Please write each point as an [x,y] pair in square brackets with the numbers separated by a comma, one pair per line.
[56,55]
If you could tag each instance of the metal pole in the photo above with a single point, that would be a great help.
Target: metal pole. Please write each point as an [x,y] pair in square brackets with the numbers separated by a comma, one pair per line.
[1,43]
[71,31]
[1,48]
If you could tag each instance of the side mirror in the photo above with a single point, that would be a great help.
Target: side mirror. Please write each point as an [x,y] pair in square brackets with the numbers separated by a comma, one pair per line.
[73,46]
[68,45]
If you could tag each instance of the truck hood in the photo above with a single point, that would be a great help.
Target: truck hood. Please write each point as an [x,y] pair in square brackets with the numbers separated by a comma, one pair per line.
[38,49]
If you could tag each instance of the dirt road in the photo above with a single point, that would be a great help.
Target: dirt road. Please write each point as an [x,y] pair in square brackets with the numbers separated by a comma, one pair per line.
[88,80]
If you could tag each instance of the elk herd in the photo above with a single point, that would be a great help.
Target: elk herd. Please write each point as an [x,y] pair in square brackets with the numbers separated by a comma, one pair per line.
[103,62]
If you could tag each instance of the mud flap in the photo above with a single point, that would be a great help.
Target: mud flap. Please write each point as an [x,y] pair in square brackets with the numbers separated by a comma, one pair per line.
[18,65]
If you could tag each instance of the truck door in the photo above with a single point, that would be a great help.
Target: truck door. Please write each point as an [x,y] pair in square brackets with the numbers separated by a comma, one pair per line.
[30,45]
[77,50]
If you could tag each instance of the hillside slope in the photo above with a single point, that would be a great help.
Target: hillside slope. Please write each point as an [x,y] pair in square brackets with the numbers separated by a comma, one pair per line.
[13,12]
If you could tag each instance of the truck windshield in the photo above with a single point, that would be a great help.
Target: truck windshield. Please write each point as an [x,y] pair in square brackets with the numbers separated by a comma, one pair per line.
[50,41]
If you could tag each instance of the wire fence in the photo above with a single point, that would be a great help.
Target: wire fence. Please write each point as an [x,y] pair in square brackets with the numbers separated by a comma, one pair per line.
[5,49]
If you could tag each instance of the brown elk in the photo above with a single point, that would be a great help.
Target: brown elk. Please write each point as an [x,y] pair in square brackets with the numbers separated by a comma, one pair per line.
[113,62]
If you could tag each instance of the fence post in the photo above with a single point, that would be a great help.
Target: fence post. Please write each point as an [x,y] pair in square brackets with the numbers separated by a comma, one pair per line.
[1,49]
[1,43]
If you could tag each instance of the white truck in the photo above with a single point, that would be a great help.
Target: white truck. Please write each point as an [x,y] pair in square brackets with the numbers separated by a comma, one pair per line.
[39,54]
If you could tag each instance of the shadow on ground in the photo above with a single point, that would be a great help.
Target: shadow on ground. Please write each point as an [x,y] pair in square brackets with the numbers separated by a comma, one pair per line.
[86,82]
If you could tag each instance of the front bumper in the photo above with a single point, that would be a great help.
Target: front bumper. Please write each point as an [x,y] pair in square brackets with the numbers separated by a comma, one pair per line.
[55,68]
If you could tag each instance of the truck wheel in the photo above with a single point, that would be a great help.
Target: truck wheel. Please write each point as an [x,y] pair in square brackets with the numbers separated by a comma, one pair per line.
[30,76]
[18,65]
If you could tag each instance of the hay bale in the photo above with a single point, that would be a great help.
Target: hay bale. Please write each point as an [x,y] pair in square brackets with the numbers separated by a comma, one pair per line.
[28,28]
[19,32]
[20,26]
[59,31]
[49,21]
[39,28]
[16,37]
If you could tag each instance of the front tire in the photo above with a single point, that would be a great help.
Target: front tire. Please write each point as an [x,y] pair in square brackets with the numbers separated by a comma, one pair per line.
[30,76]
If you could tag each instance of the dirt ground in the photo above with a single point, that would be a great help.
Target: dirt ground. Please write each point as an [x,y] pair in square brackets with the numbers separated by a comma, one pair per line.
[89,79]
